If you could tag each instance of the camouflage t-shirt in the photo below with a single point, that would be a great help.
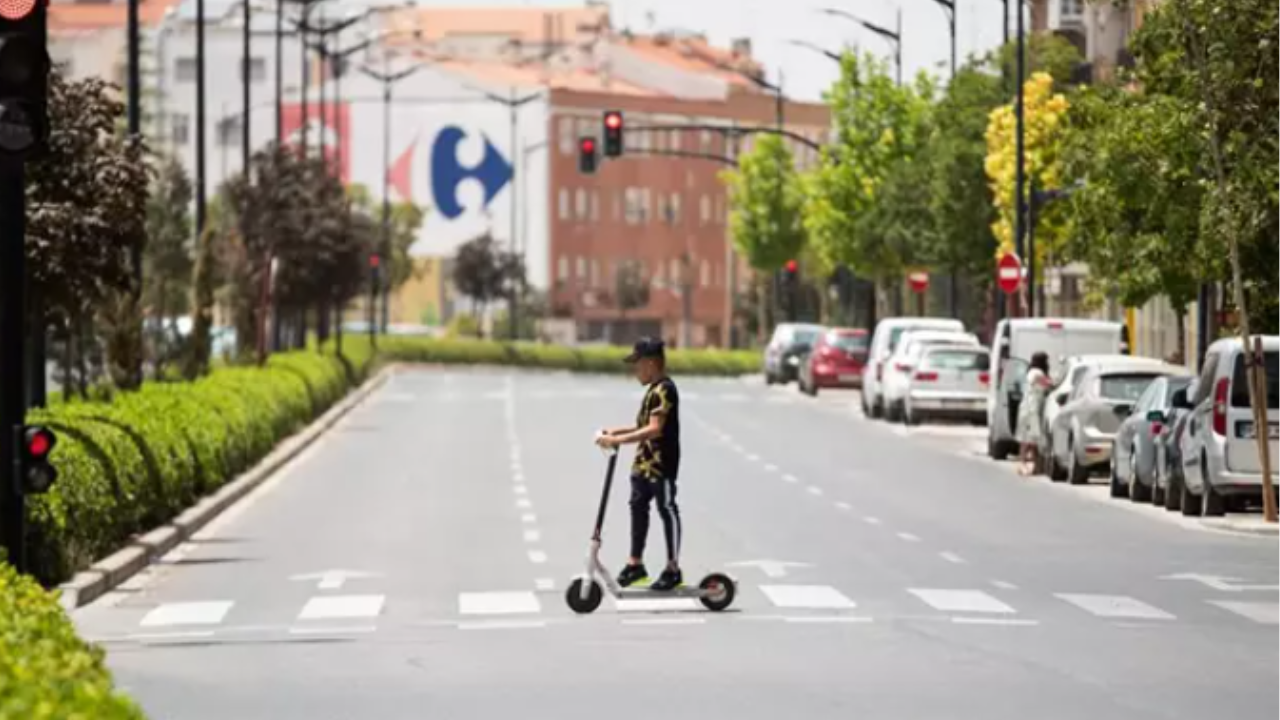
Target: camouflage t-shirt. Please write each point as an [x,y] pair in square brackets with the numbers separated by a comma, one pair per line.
[659,458]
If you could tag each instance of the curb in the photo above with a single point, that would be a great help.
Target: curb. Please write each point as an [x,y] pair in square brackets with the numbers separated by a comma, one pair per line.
[109,572]
[1242,528]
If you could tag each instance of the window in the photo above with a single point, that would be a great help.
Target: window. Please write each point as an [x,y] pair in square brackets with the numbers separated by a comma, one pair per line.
[184,69]
[229,131]
[562,268]
[566,136]
[581,205]
[595,206]
[595,273]
[257,69]
[675,140]
[1127,387]
[1240,392]
[646,205]
[1072,9]
[564,204]
[617,206]
[180,129]
[704,139]
[675,208]
[704,210]
[705,273]
[582,267]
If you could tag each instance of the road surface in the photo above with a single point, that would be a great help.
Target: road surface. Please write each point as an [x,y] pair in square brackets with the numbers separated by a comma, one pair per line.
[413,563]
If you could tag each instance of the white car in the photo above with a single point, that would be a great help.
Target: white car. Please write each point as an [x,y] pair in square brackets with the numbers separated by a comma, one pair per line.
[901,364]
[1219,448]
[1073,371]
[949,381]
[1080,437]
[884,341]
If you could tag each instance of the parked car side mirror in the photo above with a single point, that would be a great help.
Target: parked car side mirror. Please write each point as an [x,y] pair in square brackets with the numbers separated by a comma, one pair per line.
[1123,411]
[1062,400]
[1155,416]
[1180,400]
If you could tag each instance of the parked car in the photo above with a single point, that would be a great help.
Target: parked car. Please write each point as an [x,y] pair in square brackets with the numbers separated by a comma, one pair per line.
[1013,344]
[884,341]
[949,381]
[1133,451]
[790,343]
[1081,435]
[1220,451]
[835,361]
[901,364]
[1168,481]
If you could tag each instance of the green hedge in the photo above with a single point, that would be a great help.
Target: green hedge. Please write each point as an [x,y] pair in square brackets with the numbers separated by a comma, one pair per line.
[46,671]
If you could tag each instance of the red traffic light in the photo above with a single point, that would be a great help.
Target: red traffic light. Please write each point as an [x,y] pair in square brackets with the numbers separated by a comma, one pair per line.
[374,261]
[16,9]
[588,145]
[39,442]
[791,266]
[612,120]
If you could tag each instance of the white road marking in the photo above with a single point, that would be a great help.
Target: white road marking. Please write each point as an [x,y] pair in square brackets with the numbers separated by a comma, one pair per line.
[342,606]
[517,477]
[326,630]
[498,603]
[176,635]
[528,518]
[872,520]
[545,584]
[815,490]
[820,619]
[665,621]
[753,458]
[790,478]
[187,613]
[1004,585]
[1259,612]
[1115,606]
[524,503]
[806,596]
[770,467]
[908,537]
[503,625]
[952,558]
[532,536]
[844,506]
[537,557]
[966,601]
[992,621]
[521,490]
[656,605]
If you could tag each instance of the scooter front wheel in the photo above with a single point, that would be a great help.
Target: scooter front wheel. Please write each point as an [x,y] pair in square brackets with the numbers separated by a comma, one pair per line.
[583,605]
[718,590]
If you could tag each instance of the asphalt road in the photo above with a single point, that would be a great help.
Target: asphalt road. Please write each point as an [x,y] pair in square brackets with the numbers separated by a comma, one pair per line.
[412,565]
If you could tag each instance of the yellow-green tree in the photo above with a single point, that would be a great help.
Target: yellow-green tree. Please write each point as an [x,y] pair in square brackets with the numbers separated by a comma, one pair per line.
[1045,119]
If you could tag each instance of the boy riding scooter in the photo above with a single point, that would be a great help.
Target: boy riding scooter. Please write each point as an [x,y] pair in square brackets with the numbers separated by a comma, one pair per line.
[657,462]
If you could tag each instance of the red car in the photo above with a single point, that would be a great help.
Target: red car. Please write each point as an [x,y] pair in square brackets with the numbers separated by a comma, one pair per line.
[835,361]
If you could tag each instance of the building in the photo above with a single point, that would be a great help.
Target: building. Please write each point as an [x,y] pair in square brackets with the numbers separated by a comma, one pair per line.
[484,135]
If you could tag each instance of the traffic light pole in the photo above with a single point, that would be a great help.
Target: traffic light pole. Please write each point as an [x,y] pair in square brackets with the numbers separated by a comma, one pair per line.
[12,348]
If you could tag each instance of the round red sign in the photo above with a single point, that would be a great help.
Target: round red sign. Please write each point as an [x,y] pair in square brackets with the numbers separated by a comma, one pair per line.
[919,281]
[1009,273]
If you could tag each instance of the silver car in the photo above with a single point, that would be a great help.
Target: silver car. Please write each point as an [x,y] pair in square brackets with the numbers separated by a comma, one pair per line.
[1134,450]
[948,381]
[1081,434]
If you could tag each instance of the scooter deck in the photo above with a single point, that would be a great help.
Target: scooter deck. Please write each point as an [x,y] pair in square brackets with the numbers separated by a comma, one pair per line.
[680,592]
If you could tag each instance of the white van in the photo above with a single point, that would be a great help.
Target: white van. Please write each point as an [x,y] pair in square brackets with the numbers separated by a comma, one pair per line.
[884,341]
[1012,346]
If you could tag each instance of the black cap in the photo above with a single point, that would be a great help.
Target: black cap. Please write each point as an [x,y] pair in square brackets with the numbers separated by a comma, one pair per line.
[647,347]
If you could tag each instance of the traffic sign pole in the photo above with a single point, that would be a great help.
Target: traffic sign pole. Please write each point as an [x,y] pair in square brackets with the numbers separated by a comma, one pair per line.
[12,357]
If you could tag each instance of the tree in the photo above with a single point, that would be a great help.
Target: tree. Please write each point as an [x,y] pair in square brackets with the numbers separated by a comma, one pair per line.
[406,221]
[203,282]
[1135,219]
[86,203]
[860,209]
[766,209]
[168,260]
[484,273]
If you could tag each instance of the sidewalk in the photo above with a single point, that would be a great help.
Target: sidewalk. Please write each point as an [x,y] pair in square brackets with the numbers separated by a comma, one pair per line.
[1251,524]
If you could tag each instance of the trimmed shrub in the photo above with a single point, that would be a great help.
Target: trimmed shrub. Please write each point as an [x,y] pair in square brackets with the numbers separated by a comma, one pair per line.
[595,358]
[46,671]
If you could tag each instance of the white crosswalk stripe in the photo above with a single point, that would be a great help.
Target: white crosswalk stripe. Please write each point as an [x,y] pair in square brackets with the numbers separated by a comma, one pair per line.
[972,601]
[1115,606]
[332,607]
[498,603]
[1259,612]
[806,596]
[187,613]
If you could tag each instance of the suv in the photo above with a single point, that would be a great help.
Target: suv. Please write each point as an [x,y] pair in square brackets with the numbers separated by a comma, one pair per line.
[790,344]
[1220,450]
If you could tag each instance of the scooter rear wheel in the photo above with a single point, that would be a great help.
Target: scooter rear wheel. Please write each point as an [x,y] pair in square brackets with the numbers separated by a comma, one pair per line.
[720,591]
[579,604]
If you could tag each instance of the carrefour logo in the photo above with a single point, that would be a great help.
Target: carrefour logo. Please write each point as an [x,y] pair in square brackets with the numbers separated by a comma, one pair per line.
[493,172]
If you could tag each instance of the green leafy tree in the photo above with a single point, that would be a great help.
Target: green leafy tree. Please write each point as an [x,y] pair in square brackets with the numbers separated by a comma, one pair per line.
[863,202]
[168,260]
[766,199]
[203,282]
[406,221]
[484,273]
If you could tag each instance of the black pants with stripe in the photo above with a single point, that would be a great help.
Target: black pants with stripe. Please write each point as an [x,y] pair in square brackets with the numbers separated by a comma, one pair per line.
[643,492]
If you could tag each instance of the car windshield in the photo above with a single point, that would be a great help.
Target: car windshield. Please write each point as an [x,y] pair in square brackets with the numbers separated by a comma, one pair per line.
[1126,387]
[849,342]
[895,335]
[804,336]
[957,360]
[1240,382]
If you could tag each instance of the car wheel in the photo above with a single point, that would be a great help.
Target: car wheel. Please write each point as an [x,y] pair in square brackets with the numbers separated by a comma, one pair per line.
[1055,471]
[1173,493]
[996,450]
[1213,503]
[877,408]
[768,379]
[1138,492]
[1190,501]
[1077,474]
[909,416]
[813,389]
[1118,489]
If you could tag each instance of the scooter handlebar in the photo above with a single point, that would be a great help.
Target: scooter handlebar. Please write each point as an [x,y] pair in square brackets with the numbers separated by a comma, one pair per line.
[606,450]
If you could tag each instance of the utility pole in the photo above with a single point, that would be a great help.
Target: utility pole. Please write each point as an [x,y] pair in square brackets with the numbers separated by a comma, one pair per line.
[201,214]
[12,372]
[1020,150]
[279,72]
[246,95]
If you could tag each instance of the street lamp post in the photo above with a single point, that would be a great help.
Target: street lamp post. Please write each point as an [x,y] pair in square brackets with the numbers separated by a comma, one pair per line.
[1020,162]
[201,215]
[892,36]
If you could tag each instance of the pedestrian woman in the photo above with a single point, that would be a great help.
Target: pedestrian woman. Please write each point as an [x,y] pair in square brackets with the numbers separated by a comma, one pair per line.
[1030,411]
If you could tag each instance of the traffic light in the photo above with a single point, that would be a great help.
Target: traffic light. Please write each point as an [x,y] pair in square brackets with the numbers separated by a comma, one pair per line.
[587,155]
[35,473]
[790,288]
[613,133]
[24,79]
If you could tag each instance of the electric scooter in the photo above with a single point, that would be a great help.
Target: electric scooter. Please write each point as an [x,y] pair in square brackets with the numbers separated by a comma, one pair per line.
[716,591]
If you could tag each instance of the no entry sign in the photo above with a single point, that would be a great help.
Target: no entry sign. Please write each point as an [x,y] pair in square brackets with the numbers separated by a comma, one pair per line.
[1009,273]
[918,280]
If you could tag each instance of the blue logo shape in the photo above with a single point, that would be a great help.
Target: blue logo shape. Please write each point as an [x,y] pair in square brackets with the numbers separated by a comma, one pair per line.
[493,172]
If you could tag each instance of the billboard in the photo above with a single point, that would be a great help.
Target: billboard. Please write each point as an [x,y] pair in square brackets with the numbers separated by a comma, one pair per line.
[330,132]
